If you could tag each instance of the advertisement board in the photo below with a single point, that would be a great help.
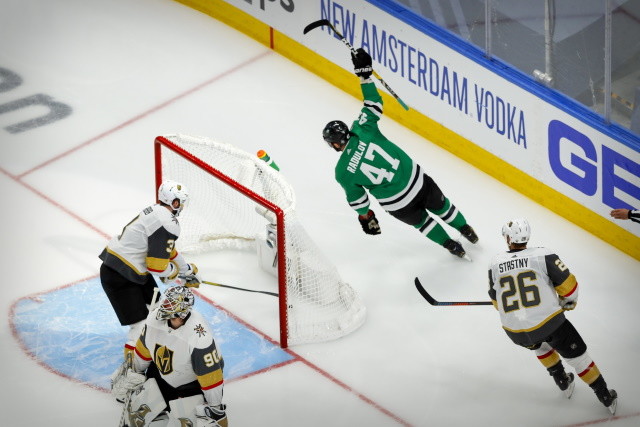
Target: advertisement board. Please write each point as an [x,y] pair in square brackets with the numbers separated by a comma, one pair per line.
[542,144]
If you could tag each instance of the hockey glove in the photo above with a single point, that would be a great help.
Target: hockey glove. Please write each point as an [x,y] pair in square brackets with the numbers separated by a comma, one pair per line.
[190,277]
[362,63]
[213,416]
[191,270]
[122,385]
[369,223]
[568,304]
[192,281]
[170,273]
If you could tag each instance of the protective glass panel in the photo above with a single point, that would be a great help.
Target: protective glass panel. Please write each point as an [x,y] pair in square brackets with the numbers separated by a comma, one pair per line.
[466,18]
[555,43]
[560,43]
[625,64]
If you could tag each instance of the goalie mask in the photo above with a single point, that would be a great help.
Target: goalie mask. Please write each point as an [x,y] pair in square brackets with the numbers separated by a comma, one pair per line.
[177,302]
[517,230]
[336,132]
[169,191]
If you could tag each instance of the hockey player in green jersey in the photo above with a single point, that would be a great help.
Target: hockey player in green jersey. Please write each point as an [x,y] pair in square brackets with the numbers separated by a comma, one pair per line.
[371,164]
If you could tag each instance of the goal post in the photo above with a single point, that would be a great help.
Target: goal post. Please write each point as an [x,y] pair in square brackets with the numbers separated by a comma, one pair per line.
[234,197]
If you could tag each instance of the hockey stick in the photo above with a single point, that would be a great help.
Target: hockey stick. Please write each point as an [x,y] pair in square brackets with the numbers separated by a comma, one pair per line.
[240,289]
[154,299]
[126,366]
[326,22]
[432,301]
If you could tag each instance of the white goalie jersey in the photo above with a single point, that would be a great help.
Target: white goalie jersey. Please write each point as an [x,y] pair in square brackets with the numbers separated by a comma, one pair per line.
[182,355]
[524,286]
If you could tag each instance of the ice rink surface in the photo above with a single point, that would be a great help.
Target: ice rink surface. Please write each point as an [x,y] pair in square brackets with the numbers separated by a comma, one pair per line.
[131,71]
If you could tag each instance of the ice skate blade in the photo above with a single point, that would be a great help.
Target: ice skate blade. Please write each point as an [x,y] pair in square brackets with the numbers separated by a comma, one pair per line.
[569,391]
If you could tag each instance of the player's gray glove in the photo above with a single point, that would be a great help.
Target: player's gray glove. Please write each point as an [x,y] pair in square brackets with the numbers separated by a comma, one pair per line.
[190,277]
[369,223]
[211,416]
[568,303]
[362,63]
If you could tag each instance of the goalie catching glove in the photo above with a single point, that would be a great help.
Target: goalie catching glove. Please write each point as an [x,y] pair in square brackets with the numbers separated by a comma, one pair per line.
[211,416]
[122,384]
[369,223]
[362,63]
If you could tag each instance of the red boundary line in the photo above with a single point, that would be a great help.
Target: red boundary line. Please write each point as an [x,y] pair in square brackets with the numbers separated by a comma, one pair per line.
[604,420]
[295,357]
[31,355]
[18,179]
[147,113]
[310,365]
[54,203]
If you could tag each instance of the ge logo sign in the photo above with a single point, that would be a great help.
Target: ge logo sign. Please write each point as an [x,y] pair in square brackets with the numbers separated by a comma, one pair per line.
[576,161]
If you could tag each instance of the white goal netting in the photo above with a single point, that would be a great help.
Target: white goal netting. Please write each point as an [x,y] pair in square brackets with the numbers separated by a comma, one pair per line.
[319,305]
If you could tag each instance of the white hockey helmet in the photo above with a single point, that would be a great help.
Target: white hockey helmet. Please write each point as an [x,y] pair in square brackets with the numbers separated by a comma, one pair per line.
[177,302]
[517,230]
[170,191]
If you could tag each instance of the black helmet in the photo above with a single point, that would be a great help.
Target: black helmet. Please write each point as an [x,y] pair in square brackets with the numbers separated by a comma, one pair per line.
[336,132]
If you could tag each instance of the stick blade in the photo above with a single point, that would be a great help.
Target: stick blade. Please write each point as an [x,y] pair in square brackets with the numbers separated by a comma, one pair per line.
[433,301]
[316,24]
[424,293]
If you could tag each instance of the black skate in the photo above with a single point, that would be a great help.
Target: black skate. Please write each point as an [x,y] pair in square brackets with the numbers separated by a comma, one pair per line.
[566,384]
[455,248]
[563,380]
[609,398]
[468,233]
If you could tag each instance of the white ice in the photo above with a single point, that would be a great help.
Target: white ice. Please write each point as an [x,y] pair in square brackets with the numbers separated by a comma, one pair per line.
[135,70]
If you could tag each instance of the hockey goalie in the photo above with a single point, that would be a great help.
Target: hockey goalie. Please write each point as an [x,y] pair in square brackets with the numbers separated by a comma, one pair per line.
[175,376]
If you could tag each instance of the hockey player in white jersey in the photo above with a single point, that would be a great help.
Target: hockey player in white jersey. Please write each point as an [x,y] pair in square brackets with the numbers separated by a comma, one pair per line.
[145,248]
[177,351]
[532,288]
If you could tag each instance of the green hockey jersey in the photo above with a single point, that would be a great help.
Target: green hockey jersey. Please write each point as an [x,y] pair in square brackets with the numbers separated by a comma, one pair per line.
[370,163]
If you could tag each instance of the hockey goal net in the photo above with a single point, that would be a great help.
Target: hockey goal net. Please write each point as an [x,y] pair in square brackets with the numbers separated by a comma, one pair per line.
[234,196]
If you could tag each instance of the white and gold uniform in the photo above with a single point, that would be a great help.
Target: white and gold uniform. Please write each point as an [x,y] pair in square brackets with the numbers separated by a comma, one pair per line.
[146,245]
[183,355]
[525,286]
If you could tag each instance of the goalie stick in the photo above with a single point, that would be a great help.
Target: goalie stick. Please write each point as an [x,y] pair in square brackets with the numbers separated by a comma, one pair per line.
[240,289]
[125,366]
[433,301]
[326,22]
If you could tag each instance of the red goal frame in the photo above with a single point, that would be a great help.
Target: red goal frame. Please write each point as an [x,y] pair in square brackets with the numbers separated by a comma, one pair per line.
[161,142]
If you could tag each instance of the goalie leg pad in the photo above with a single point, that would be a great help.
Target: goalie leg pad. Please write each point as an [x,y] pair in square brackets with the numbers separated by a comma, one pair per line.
[161,420]
[145,404]
[183,411]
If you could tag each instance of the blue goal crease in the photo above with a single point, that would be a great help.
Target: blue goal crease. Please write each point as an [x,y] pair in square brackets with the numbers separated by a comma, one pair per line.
[74,331]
